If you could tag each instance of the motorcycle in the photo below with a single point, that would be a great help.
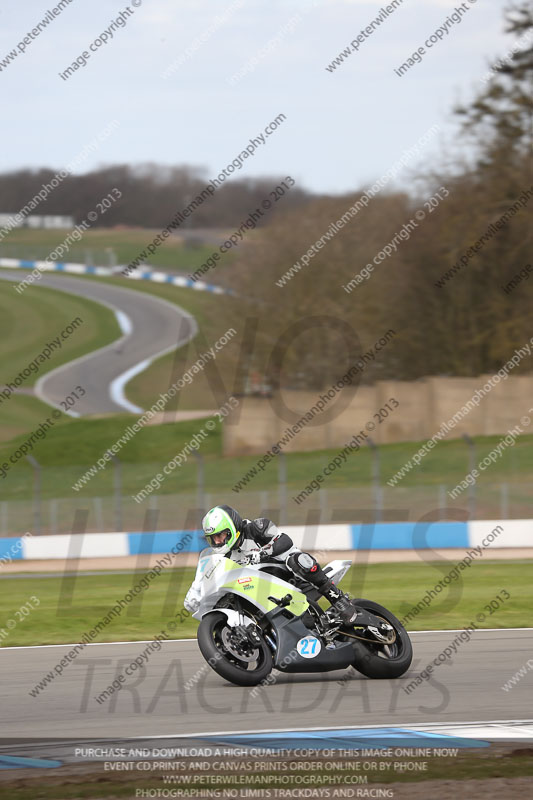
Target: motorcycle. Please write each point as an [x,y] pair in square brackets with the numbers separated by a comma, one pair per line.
[254,619]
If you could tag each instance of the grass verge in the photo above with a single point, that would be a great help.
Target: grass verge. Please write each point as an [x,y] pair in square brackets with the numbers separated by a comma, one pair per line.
[106,247]
[154,446]
[27,324]
[72,605]
[37,317]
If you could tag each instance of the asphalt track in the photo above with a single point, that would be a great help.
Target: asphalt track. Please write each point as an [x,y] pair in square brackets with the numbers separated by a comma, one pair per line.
[151,327]
[158,702]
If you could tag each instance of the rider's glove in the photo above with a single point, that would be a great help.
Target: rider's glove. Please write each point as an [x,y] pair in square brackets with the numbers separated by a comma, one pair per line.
[255,557]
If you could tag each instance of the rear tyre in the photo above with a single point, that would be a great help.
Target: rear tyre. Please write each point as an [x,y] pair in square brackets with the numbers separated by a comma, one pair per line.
[383,660]
[243,666]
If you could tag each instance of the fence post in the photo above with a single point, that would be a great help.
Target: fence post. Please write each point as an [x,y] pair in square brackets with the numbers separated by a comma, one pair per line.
[36,494]
[117,481]
[472,463]
[98,514]
[111,257]
[376,479]
[53,516]
[200,482]
[282,486]
[443,503]
[323,502]
[504,501]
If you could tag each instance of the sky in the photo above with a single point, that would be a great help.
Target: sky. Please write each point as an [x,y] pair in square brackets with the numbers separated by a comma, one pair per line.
[179,99]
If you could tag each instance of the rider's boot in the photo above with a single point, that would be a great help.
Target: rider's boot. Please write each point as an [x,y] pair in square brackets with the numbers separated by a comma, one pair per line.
[340,603]
[308,567]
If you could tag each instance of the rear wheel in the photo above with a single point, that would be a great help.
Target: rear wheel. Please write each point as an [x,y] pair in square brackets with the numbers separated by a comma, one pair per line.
[230,654]
[377,659]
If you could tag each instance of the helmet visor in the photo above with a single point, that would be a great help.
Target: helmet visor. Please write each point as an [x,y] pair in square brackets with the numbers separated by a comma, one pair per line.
[219,538]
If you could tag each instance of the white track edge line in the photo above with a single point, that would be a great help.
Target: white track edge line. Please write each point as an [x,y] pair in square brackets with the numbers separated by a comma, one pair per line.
[39,392]
[193,639]
[206,734]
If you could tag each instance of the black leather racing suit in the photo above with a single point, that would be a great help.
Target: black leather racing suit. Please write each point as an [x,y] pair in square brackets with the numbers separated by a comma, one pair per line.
[277,546]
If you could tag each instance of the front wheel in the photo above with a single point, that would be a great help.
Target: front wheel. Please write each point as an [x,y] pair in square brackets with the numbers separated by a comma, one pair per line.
[378,660]
[238,662]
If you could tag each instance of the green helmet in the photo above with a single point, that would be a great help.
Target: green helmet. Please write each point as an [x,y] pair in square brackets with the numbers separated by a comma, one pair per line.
[222,528]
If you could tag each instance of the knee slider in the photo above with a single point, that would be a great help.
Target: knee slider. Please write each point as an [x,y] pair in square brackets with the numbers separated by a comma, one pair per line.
[302,563]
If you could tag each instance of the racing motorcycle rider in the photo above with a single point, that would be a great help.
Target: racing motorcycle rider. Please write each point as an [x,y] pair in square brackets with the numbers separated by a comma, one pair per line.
[254,541]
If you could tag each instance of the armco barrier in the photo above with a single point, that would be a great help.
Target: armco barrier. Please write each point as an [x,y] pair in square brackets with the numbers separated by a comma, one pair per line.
[175,280]
[409,535]
[320,537]
[47,266]
[138,275]
[515,533]
[163,541]
[76,545]
[382,536]
[11,549]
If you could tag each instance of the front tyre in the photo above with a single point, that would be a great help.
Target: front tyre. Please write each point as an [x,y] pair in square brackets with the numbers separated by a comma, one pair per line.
[239,663]
[377,660]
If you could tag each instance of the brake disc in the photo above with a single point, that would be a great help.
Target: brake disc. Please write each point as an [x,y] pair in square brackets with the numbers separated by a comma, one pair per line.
[233,648]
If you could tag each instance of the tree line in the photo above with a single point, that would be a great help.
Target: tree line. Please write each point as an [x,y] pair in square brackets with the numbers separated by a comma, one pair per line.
[434,265]
[151,195]
[442,285]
